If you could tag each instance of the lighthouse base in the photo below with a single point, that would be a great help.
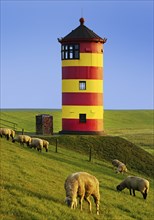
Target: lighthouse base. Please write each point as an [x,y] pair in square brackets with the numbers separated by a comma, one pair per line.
[101,133]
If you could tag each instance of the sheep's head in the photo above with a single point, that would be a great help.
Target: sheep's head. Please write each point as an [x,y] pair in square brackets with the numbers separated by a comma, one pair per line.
[119,188]
[68,201]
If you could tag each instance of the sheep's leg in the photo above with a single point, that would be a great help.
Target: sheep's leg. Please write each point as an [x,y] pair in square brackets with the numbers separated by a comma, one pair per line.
[144,194]
[89,202]
[97,208]
[74,205]
[130,191]
[97,204]
[133,192]
[80,202]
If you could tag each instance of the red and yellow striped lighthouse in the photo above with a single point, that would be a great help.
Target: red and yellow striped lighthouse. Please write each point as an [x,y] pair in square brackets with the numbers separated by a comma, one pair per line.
[82,81]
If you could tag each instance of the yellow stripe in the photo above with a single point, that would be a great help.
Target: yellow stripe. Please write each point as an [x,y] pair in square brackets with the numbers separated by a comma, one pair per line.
[86,59]
[92,112]
[91,86]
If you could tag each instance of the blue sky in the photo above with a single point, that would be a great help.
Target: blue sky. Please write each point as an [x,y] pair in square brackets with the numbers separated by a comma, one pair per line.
[31,60]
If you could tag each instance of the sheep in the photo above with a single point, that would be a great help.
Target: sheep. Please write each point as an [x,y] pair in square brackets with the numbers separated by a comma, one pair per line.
[45,145]
[82,185]
[121,167]
[116,162]
[22,139]
[7,132]
[135,183]
[36,143]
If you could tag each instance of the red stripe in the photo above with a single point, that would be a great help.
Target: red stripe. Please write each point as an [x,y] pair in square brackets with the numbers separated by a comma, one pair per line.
[80,72]
[91,47]
[82,99]
[75,125]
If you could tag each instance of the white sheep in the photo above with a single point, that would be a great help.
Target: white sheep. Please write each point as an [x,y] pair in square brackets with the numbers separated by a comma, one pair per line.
[121,167]
[45,144]
[22,139]
[7,132]
[36,143]
[135,183]
[116,162]
[82,185]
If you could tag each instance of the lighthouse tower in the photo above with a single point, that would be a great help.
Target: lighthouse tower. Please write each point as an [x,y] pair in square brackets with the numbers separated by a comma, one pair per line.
[82,81]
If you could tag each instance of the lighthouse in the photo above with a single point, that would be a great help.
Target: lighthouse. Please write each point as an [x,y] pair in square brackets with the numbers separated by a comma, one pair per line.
[82,81]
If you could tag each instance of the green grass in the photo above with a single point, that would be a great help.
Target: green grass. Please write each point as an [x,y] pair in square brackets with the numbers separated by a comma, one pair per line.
[32,186]
[136,126]
[108,148]
[26,119]
[133,125]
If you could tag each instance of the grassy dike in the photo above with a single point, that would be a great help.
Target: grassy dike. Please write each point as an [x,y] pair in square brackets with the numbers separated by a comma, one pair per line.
[32,186]
[32,182]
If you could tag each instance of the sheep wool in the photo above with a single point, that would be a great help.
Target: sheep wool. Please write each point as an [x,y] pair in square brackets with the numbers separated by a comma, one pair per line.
[7,132]
[135,183]
[23,139]
[121,168]
[116,162]
[82,185]
[45,145]
[36,143]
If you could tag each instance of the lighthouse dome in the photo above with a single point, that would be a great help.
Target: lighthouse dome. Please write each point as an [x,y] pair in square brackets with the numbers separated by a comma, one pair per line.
[82,33]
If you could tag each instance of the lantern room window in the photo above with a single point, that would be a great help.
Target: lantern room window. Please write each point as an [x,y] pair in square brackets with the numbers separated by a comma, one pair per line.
[70,52]
[82,118]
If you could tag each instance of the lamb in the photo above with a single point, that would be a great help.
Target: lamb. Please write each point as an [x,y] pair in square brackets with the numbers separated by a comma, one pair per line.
[135,183]
[82,185]
[22,139]
[7,132]
[121,167]
[36,143]
[45,145]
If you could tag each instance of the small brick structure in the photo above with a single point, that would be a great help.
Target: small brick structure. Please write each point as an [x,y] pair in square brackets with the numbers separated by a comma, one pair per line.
[44,124]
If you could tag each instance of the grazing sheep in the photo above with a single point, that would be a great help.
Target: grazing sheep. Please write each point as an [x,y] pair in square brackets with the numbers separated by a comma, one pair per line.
[82,185]
[45,145]
[7,132]
[116,162]
[36,143]
[135,183]
[121,167]
[22,139]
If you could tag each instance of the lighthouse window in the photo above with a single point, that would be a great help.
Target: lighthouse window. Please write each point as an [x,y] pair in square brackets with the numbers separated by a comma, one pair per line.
[70,51]
[82,118]
[82,85]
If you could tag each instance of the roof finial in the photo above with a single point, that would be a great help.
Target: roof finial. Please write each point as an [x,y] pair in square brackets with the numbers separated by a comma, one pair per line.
[82,21]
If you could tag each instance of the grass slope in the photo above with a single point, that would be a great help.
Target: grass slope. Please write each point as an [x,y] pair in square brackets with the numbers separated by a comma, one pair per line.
[32,186]
[109,148]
